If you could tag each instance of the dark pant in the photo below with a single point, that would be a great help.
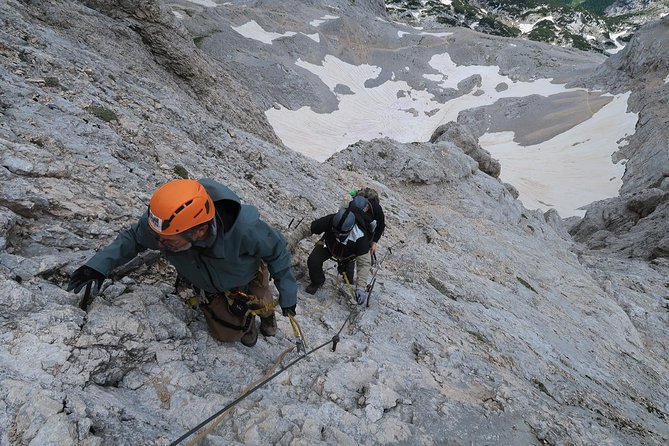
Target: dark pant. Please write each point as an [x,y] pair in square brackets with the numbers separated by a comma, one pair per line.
[318,256]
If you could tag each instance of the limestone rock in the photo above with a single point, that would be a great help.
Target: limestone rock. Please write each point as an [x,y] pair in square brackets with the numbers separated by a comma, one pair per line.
[463,138]
[486,324]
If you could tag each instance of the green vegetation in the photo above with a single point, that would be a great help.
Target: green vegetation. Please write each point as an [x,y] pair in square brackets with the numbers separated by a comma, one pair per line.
[466,12]
[181,171]
[580,42]
[541,386]
[197,40]
[37,141]
[594,6]
[464,8]
[102,112]
[617,20]
[439,286]
[51,82]
[446,20]
[478,336]
[543,31]
[497,28]
[524,283]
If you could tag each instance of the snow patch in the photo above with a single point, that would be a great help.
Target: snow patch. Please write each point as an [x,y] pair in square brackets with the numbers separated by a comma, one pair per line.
[207,3]
[572,169]
[252,30]
[616,42]
[400,34]
[436,34]
[393,109]
[325,18]
[454,74]
[527,27]
[434,77]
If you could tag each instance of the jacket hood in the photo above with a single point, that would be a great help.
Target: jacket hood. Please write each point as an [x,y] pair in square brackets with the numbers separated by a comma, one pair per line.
[219,192]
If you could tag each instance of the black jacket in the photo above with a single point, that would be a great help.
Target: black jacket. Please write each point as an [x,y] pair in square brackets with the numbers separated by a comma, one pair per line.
[377,210]
[339,250]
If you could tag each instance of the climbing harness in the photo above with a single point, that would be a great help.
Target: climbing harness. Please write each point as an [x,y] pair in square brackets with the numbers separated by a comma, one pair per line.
[300,344]
[335,339]
[240,307]
[241,303]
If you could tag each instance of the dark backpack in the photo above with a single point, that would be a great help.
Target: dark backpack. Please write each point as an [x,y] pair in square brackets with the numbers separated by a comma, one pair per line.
[364,219]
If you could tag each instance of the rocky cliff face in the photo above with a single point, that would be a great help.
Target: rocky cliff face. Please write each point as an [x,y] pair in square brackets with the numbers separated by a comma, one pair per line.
[631,6]
[636,222]
[489,324]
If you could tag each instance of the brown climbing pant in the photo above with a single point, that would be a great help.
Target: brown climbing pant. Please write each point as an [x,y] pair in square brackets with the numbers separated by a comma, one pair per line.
[226,326]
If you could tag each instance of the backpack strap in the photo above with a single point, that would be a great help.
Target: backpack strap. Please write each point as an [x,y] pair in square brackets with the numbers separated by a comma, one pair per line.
[364,221]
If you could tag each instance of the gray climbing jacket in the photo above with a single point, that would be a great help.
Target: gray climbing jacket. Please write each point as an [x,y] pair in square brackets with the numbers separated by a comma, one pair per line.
[231,261]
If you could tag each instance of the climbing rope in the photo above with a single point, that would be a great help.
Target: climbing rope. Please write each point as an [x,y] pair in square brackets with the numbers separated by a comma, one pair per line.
[300,342]
[227,412]
[377,267]
[300,345]
[334,341]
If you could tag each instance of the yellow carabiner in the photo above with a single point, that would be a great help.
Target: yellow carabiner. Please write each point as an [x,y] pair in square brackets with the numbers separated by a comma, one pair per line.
[299,335]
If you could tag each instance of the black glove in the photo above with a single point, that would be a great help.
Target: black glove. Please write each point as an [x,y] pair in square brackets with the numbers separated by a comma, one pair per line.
[341,267]
[289,311]
[84,275]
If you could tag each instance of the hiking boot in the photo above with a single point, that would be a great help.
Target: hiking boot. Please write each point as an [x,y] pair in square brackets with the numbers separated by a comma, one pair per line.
[250,337]
[312,288]
[268,325]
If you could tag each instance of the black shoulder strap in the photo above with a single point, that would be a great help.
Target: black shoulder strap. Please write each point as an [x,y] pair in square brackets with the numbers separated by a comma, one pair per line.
[363,220]
[339,225]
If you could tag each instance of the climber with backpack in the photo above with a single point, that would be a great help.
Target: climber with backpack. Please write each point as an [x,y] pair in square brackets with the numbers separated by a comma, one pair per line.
[376,214]
[346,240]
[219,245]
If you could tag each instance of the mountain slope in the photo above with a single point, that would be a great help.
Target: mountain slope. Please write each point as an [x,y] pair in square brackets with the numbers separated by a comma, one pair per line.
[488,323]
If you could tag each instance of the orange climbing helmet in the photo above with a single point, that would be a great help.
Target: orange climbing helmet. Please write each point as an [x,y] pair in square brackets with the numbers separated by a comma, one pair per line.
[178,206]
